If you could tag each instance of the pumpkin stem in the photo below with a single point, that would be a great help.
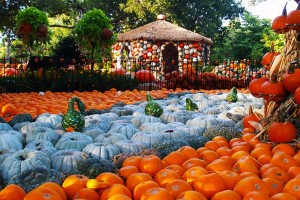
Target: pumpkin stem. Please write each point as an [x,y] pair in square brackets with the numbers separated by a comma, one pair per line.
[293,65]
[272,47]
[250,112]
[284,11]
[273,78]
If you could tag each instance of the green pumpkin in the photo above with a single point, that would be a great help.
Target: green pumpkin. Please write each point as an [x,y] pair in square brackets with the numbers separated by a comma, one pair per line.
[190,105]
[153,108]
[232,95]
[73,118]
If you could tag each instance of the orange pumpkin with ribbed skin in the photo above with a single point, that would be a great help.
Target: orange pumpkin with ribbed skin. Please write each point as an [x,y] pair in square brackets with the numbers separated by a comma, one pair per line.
[127,170]
[164,176]
[8,111]
[283,160]
[291,79]
[157,193]
[249,118]
[250,184]
[282,132]
[177,186]
[176,168]
[12,191]
[230,178]
[73,184]
[136,178]
[273,90]
[255,85]
[86,193]
[142,187]
[55,187]
[110,177]
[293,18]
[293,187]
[279,23]
[283,196]
[277,173]
[226,195]
[209,184]
[115,189]
[132,161]
[43,193]
[191,195]
[255,195]
[275,185]
[151,165]
[119,197]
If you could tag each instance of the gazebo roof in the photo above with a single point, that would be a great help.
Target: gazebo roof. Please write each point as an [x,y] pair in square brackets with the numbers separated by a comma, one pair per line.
[162,30]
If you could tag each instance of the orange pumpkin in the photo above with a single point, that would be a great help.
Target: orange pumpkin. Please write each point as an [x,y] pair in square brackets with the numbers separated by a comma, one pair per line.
[73,183]
[226,195]
[191,195]
[279,23]
[165,176]
[151,165]
[136,178]
[115,189]
[87,193]
[142,187]
[293,187]
[209,184]
[43,193]
[157,193]
[12,191]
[293,18]
[250,184]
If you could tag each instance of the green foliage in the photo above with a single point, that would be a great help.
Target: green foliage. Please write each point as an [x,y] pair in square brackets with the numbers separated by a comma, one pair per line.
[167,146]
[196,141]
[23,117]
[222,130]
[88,32]
[32,16]
[247,38]
[67,48]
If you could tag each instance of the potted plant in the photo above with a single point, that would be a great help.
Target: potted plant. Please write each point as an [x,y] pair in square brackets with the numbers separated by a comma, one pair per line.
[94,33]
[32,25]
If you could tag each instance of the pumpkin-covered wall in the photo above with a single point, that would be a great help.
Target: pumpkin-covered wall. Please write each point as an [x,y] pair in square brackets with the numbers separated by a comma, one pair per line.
[159,56]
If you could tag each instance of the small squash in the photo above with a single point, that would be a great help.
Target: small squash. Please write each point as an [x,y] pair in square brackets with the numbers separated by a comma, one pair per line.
[153,108]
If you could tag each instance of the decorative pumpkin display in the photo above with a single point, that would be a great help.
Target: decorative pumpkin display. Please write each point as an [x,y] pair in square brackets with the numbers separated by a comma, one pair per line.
[121,111]
[203,122]
[12,191]
[30,127]
[66,161]
[4,153]
[74,118]
[42,145]
[92,167]
[282,132]
[291,78]
[73,140]
[96,122]
[94,132]
[153,108]
[32,178]
[153,127]
[279,23]
[8,111]
[23,160]
[43,133]
[5,127]
[273,90]
[174,133]
[190,105]
[268,58]
[101,150]
[232,95]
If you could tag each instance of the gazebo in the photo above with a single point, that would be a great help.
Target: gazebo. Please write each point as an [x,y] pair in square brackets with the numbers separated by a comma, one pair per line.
[162,47]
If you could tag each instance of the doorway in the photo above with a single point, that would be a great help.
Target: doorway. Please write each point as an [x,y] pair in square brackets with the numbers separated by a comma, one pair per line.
[170,58]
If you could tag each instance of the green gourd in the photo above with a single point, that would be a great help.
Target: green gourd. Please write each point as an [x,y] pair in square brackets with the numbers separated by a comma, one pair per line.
[190,105]
[153,108]
[232,95]
[73,118]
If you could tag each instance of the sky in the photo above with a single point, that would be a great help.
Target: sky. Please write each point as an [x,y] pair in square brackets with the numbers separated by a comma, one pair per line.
[270,8]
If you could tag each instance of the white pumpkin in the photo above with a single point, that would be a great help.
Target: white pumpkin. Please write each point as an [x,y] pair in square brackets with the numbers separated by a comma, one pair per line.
[4,153]
[73,140]
[139,120]
[203,122]
[121,111]
[54,119]
[94,132]
[33,125]
[18,134]
[96,123]
[10,141]
[110,138]
[177,116]
[153,127]
[42,145]
[129,146]
[148,138]
[5,127]
[126,129]
[110,116]
[43,133]
[23,160]
[101,150]
[192,130]
[169,134]
[66,161]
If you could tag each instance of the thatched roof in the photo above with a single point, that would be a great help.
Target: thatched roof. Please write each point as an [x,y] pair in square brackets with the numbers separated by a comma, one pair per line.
[162,30]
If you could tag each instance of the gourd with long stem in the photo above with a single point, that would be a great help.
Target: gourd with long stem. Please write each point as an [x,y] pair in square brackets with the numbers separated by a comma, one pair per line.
[74,118]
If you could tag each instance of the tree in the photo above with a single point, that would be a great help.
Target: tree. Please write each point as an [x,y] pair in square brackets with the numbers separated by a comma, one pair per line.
[246,38]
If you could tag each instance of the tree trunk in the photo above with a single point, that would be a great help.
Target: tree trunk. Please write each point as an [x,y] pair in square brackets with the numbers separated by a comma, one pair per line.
[8,44]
